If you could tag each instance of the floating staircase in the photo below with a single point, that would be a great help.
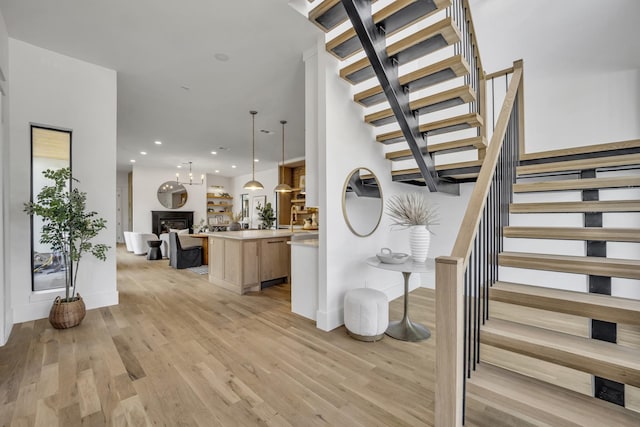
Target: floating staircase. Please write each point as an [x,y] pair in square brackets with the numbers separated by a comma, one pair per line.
[545,348]
[430,56]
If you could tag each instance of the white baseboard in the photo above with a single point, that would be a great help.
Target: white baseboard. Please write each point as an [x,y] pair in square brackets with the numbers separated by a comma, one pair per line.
[8,327]
[39,309]
[328,321]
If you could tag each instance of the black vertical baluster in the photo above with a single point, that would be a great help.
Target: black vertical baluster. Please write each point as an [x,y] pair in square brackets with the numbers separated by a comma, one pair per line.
[478,257]
[466,326]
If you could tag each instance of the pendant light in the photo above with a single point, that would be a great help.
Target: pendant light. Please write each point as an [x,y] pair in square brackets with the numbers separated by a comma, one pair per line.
[253,184]
[282,187]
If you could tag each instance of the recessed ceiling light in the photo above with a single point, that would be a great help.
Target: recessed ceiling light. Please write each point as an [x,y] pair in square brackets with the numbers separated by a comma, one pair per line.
[233,166]
[132,160]
[214,152]
[157,142]
[222,57]
[217,171]
[144,153]
[179,166]
[256,160]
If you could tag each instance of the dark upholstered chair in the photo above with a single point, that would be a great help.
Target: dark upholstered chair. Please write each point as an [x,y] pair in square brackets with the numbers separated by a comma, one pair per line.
[186,257]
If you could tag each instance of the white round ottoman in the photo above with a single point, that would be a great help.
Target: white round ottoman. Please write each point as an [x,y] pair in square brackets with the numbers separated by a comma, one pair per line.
[366,314]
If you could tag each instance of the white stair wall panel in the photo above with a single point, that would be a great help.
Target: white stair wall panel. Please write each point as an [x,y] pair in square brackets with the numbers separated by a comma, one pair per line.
[546,246]
[543,278]
[621,219]
[547,220]
[623,250]
[625,288]
[547,196]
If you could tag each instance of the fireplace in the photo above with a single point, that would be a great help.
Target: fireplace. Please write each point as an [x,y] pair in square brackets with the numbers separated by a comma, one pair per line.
[162,221]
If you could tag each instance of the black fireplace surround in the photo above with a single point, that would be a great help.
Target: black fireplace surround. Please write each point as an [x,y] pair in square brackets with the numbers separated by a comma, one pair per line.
[162,221]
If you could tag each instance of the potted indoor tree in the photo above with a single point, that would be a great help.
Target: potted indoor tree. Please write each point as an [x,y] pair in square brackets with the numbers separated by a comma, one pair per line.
[266,214]
[416,212]
[68,229]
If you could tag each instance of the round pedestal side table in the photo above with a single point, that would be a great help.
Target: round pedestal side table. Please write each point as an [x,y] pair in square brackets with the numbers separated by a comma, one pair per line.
[405,329]
[154,250]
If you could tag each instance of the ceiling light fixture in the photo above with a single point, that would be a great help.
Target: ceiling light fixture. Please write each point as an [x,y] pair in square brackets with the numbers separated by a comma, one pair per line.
[282,187]
[190,182]
[157,142]
[214,152]
[144,153]
[132,160]
[253,184]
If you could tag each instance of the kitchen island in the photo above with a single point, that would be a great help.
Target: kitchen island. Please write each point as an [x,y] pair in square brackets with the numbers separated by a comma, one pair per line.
[245,260]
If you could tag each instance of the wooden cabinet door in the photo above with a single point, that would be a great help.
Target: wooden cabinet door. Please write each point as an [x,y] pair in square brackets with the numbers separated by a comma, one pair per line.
[251,263]
[274,259]
[216,258]
[233,261]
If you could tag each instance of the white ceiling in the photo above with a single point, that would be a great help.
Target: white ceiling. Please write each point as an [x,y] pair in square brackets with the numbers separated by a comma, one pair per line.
[158,46]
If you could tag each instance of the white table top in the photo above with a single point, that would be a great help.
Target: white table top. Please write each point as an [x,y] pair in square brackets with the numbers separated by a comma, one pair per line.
[408,266]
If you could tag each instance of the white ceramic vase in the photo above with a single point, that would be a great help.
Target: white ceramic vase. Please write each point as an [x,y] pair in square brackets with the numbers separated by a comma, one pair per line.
[419,239]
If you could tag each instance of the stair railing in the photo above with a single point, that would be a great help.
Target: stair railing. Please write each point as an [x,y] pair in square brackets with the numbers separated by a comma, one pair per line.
[464,277]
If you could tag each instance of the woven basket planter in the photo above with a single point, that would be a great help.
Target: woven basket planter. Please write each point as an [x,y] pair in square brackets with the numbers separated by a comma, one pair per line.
[67,314]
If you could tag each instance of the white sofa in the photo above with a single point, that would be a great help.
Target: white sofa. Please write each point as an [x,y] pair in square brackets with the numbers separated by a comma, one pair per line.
[127,240]
[139,242]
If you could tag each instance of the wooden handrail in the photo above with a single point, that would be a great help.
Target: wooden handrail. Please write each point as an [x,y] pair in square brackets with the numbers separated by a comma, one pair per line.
[500,73]
[464,242]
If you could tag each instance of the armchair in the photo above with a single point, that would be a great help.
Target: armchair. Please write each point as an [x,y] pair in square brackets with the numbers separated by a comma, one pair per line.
[183,257]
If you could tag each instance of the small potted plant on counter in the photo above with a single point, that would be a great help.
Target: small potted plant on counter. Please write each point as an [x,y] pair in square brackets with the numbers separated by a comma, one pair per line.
[68,229]
[235,224]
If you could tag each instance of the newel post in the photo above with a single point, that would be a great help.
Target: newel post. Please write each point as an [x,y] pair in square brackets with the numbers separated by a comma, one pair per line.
[449,341]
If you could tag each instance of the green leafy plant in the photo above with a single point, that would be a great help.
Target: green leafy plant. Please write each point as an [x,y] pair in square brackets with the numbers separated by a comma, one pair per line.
[266,214]
[67,226]
[409,209]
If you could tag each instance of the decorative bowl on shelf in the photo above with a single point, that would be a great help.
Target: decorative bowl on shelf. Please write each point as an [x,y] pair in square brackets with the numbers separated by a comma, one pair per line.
[387,256]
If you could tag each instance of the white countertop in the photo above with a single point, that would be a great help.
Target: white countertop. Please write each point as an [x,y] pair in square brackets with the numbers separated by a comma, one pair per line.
[252,234]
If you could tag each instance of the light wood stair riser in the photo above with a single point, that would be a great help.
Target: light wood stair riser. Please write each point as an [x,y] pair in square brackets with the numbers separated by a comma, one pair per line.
[600,358]
[419,44]
[574,233]
[394,17]
[578,184]
[475,143]
[430,75]
[576,207]
[593,306]
[451,124]
[439,101]
[543,404]
[597,266]
[579,165]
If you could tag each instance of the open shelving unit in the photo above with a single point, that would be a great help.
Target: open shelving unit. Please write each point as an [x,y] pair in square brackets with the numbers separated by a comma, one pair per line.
[219,210]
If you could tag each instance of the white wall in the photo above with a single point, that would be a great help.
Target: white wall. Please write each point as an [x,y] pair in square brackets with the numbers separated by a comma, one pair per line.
[6,317]
[59,91]
[122,182]
[268,178]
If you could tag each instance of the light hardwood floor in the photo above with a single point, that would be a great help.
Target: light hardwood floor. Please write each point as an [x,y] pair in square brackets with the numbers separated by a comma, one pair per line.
[179,351]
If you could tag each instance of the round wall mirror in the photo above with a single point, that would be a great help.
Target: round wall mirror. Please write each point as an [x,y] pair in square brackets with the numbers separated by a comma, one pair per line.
[172,195]
[362,202]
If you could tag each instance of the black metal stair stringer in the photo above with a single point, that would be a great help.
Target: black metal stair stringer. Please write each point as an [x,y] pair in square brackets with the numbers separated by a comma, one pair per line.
[374,45]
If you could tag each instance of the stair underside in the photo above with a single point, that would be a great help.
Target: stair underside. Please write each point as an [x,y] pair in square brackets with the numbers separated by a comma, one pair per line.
[596,357]
[509,395]
[578,184]
[576,207]
[393,18]
[574,233]
[429,104]
[463,171]
[417,45]
[329,14]
[593,306]
[575,153]
[477,142]
[580,165]
[430,75]
[597,266]
[451,124]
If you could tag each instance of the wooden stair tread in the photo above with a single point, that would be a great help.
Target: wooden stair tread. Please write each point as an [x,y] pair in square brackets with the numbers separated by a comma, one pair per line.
[477,142]
[545,403]
[394,17]
[439,101]
[578,165]
[574,233]
[596,357]
[461,171]
[573,207]
[592,306]
[597,266]
[578,184]
[438,72]
[450,124]
[427,40]
[587,149]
